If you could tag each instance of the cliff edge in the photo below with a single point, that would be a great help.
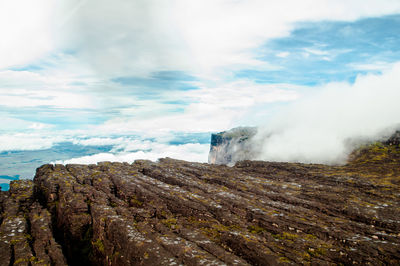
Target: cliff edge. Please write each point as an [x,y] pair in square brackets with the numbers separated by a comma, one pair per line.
[231,146]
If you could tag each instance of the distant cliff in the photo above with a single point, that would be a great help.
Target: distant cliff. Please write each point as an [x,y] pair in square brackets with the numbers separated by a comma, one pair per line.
[175,212]
[230,146]
[238,144]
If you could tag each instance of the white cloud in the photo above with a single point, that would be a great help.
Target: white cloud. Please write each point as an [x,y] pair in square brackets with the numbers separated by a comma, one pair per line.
[39,126]
[29,89]
[15,124]
[198,36]
[283,54]
[244,94]
[25,31]
[318,127]
[208,109]
[55,99]
[379,66]
[27,141]
[326,55]
[99,141]
[316,51]
[189,152]
[142,36]
[148,35]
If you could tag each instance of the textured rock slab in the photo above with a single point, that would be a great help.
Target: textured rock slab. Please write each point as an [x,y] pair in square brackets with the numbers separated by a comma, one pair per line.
[26,236]
[180,213]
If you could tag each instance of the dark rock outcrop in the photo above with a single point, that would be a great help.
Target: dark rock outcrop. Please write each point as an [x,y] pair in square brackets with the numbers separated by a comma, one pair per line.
[394,139]
[175,212]
[231,146]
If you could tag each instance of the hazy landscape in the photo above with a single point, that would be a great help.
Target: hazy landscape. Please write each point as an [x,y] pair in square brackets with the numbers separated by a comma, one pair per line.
[212,132]
[118,79]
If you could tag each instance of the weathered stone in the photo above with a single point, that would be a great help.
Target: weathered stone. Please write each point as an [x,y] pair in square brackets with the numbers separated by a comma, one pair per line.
[175,212]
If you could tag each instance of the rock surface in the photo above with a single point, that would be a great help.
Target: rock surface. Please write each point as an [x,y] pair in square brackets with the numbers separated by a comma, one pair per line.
[175,212]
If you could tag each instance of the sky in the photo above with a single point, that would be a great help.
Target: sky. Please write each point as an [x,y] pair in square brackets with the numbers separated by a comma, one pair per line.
[154,78]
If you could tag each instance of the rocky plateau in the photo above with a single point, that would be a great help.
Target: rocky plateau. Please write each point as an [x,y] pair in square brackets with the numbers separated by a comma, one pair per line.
[175,212]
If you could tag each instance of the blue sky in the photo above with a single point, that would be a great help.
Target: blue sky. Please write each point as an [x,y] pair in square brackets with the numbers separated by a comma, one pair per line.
[85,69]
[326,51]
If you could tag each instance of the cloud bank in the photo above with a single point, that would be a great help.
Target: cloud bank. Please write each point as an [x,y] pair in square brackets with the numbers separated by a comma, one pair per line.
[319,127]
[27,141]
[193,152]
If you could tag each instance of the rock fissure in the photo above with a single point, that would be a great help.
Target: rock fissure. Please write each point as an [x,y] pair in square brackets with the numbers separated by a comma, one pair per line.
[12,255]
[29,236]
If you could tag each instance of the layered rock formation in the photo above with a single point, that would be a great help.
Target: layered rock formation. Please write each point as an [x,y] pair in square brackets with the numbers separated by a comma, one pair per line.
[175,212]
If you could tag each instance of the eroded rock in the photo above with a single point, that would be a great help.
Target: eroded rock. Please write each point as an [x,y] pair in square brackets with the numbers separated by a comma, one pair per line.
[181,213]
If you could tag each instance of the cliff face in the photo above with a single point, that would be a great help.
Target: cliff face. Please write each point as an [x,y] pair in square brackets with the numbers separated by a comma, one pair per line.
[230,146]
[176,212]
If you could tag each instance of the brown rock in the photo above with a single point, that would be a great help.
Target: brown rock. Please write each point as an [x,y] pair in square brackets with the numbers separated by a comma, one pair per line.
[175,212]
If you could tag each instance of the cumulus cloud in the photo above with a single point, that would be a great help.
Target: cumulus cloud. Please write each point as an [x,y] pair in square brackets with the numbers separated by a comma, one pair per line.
[319,127]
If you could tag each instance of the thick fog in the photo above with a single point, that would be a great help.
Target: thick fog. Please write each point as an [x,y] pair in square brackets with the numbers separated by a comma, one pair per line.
[326,125]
